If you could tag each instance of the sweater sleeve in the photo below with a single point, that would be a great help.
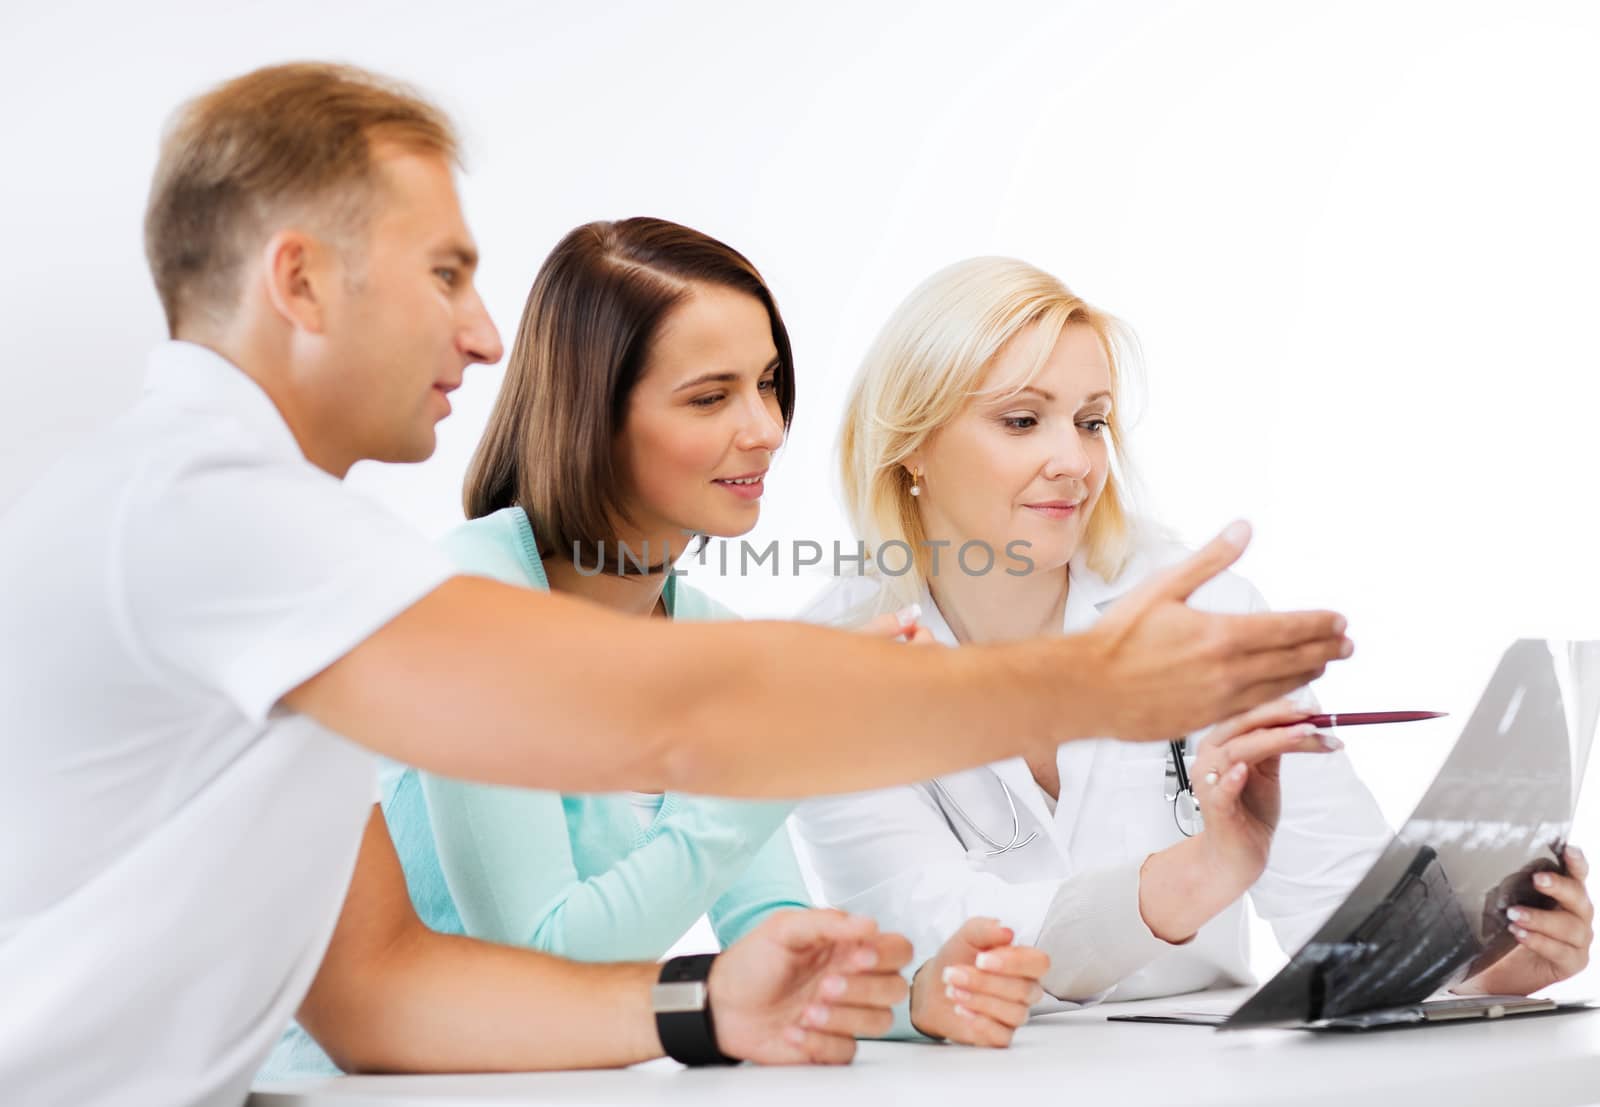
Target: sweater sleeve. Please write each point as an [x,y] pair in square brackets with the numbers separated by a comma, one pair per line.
[770,882]
[513,869]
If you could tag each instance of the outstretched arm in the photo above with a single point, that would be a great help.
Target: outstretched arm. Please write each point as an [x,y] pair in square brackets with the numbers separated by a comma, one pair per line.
[526,682]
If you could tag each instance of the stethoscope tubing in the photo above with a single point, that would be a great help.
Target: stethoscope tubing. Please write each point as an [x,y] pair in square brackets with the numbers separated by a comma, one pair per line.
[995,848]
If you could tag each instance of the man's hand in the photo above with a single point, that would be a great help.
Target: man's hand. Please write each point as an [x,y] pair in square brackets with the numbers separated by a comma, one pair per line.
[1551,944]
[803,985]
[978,988]
[1167,669]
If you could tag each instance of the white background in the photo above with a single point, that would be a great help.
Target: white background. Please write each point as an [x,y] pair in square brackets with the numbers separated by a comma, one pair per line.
[1359,244]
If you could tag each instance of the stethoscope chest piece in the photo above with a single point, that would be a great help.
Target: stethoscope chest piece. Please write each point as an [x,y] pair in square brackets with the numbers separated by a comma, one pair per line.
[1186,813]
[1180,791]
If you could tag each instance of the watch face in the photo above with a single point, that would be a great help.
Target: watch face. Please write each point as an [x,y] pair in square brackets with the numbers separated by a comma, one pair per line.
[680,997]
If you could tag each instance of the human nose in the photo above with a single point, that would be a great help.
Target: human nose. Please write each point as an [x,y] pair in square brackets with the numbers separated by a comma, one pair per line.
[761,428]
[1068,460]
[478,338]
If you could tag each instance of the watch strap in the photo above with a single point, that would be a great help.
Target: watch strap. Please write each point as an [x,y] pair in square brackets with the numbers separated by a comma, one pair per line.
[682,1007]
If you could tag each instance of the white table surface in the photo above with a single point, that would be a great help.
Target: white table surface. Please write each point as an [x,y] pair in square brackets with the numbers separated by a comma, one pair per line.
[1078,1058]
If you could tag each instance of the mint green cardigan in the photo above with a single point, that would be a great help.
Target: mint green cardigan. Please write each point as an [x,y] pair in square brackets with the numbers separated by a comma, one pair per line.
[576,875]
[571,874]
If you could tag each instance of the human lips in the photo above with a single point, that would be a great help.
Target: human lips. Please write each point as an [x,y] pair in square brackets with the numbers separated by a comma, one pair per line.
[442,389]
[1055,509]
[747,486]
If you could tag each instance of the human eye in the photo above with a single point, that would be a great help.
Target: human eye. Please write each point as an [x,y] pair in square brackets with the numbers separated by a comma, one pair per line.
[1096,425]
[448,274]
[767,384]
[707,401]
[1019,423]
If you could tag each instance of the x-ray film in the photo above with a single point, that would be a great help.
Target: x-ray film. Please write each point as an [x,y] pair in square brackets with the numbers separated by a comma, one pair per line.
[1432,910]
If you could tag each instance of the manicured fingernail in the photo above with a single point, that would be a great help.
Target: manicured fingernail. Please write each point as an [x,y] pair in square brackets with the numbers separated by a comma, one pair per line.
[1346,648]
[794,1035]
[964,1013]
[1576,852]
[1237,772]
[1339,624]
[1237,532]
[1544,880]
[1519,933]
[987,961]
[1516,914]
[865,958]
[907,616]
[1331,742]
[833,987]
[816,1015]
[954,974]
[957,994]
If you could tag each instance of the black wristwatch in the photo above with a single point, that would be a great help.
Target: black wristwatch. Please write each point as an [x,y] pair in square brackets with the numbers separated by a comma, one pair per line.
[683,1012]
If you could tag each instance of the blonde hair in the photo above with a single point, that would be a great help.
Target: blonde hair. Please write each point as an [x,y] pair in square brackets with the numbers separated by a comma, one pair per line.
[928,363]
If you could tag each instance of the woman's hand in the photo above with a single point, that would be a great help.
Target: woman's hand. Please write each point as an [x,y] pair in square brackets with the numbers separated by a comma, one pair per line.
[901,626]
[977,989]
[1551,944]
[803,985]
[1236,779]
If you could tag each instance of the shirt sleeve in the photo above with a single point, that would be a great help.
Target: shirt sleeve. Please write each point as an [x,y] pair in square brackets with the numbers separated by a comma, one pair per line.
[250,574]
[890,855]
[509,861]
[770,882]
[1095,934]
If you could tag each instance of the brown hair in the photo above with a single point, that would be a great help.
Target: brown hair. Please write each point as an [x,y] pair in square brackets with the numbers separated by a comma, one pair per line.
[271,140]
[585,333]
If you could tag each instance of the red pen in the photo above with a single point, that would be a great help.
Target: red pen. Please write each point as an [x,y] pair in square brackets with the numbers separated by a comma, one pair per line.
[1368,718]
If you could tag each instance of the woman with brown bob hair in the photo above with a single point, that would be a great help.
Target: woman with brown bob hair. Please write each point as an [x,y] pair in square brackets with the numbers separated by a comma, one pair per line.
[650,386]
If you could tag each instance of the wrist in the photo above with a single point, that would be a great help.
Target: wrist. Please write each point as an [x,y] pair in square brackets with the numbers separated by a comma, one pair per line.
[919,986]
[683,999]
[1054,679]
[1231,873]
[1179,891]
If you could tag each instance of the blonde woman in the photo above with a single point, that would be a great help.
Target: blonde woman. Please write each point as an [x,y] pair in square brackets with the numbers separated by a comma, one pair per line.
[982,464]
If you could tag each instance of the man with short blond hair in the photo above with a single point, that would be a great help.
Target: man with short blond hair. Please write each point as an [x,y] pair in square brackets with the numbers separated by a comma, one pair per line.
[205,637]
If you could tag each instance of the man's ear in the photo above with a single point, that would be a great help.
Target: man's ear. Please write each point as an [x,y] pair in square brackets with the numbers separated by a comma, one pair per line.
[299,272]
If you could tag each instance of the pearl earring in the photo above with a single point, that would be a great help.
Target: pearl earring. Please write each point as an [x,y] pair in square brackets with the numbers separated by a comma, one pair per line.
[916,487]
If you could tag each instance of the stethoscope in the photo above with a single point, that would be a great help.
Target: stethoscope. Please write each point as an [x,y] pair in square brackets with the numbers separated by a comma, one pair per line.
[995,848]
[1179,791]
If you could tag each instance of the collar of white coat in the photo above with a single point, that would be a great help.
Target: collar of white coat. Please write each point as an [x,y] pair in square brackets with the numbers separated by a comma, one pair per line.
[195,378]
[1088,596]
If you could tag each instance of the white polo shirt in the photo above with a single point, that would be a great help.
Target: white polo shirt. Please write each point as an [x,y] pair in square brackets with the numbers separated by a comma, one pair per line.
[174,848]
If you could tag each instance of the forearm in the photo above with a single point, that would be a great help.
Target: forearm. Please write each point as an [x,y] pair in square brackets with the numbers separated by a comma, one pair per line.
[839,712]
[546,690]
[440,1003]
[1182,888]
[392,995]
[770,881]
[651,897]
